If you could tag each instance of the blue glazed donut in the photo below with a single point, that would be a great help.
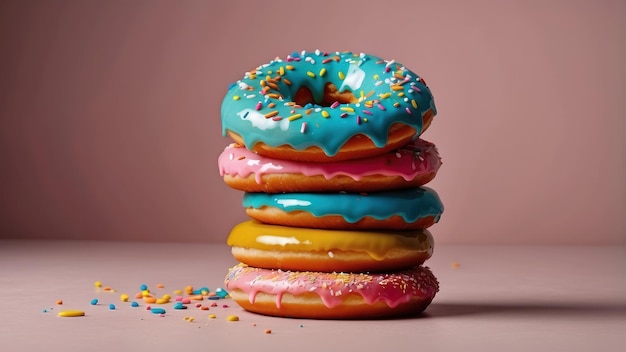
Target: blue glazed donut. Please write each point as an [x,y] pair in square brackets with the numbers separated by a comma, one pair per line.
[317,106]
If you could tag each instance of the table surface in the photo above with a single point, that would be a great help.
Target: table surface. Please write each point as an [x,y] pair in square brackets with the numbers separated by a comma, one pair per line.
[513,298]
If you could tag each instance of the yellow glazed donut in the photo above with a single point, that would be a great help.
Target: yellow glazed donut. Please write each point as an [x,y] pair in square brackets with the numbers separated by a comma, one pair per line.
[306,294]
[411,165]
[318,106]
[288,248]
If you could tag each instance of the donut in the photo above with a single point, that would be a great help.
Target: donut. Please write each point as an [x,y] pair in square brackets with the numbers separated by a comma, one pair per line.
[287,248]
[412,165]
[414,208]
[318,106]
[320,295]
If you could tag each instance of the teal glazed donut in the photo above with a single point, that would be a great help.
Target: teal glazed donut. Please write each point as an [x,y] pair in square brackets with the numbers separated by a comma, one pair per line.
[414,208]
[318,106]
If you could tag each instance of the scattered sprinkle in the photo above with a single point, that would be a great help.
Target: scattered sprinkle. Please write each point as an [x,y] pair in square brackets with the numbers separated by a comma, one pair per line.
[232,318]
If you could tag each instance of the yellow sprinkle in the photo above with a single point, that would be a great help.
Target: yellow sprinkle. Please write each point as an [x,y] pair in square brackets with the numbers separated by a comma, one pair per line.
[124,297]
[235,97]
[281,70]
[97,284]
[274,95]
[271,114]
[414,103]
[341,75]
[375,77]
[71,313]
[310,74]
[396,104]
[162,300]
[347,108]
[294,117]
[322,72]
[289,67]
[232,318]
[262,83]
[325,113]
[384,95]
[145,293]
[212,316]
[396,87]
[401,94]
[178,292]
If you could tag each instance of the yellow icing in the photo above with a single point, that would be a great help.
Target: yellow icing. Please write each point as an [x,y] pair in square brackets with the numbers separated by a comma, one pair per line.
[253,234]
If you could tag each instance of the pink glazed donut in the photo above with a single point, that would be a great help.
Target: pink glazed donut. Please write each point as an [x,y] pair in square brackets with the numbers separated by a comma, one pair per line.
[412,165]
[320,295]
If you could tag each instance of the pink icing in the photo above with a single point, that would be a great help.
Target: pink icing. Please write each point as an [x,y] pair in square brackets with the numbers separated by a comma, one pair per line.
[392,288]
[417,158]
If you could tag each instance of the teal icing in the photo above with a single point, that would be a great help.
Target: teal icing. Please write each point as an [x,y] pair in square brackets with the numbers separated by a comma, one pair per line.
[369,78]
[410,204]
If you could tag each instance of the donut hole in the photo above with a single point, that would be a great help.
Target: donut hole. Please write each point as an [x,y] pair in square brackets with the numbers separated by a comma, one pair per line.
[330,95]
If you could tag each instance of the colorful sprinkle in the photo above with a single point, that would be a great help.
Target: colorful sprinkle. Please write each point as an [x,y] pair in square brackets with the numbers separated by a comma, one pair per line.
[71,313]
[157,311]
[232,318]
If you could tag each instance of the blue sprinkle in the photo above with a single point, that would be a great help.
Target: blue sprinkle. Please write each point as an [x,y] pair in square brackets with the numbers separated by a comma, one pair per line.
[112,306]
[246,114]
[143,287]
[222,293]
[157,311]
[214,298]
[94,301]
[308,106]
[179,305]
[134,304]
[44,311]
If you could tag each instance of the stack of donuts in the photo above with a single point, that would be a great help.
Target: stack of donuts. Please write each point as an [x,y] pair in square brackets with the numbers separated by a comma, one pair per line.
[327,149]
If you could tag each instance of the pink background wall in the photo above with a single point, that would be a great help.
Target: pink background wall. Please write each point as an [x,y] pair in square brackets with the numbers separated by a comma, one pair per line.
[109,111]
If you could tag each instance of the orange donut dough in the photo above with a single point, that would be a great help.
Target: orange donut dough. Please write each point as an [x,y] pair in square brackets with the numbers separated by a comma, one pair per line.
[287,248]
[317,295]
[358,146]
[411,165]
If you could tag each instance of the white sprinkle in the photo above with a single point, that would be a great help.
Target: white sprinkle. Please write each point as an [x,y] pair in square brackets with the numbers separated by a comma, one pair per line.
[250,96]
[331,254]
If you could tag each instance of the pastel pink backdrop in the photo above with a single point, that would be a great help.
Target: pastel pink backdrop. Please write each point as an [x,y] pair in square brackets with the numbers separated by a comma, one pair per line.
[110,126]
